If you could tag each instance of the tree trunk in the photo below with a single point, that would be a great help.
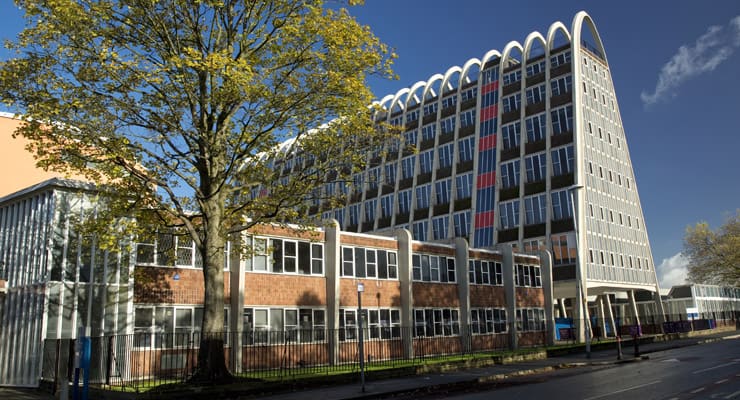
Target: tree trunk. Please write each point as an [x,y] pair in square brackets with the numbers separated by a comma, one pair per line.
[211,367]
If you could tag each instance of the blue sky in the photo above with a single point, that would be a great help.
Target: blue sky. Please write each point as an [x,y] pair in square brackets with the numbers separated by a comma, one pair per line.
[675,67]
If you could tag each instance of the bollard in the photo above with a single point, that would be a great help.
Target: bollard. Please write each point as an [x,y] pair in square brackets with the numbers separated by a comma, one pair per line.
[637,345]
[619,347]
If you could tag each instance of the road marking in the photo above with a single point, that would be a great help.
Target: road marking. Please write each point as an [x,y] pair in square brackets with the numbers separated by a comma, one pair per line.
[732,395]
[720,381]
[622,391]
[715,367]
[671,360]
[695,391]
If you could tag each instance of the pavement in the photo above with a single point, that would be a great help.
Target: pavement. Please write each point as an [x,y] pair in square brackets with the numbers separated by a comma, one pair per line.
[508,374]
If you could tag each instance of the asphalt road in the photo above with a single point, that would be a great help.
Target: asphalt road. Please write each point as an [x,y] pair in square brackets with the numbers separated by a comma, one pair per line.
[709,371]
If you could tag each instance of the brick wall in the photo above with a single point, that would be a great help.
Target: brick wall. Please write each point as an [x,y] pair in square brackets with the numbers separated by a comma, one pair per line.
[158,285]
[378,293]
[487,296]
[435,295]
[284,290]
[530,297]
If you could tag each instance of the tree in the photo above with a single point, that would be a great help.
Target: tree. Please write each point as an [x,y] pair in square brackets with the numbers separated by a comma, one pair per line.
[177,108]
[714,256]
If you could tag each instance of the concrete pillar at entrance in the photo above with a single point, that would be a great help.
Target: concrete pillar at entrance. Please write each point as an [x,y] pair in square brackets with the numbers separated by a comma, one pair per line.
[407,297]
[659,311]
[610,313]
[332,262]
[507,254]
[236,304]
[546,271]
[463,291]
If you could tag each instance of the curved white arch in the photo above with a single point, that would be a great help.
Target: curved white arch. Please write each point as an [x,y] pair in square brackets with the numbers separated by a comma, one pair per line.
[397,100]
[430,81]
[529,42]
[385,100]
[448,75]
[466,69]
[577,26]
[488,56]
[554,28]
[507,52]
[412,93]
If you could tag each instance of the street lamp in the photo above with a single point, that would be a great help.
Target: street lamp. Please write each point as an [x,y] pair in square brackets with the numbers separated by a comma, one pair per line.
[581,297]
[360,344]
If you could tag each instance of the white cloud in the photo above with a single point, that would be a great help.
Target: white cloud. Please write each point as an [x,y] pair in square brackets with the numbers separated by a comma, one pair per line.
[672,271]
[710,50]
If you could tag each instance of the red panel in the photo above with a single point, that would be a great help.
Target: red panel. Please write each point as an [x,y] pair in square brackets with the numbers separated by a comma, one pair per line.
[484,219]
[486,180]
[487,142]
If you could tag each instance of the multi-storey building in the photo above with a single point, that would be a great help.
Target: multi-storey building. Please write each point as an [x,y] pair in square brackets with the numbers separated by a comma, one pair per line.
[524,147]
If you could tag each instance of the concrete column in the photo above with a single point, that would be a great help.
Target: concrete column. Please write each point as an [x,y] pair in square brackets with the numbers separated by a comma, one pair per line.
[403,236]
[463,290]
[633,306]
[659,311]
[602,317]
[332,263]
[561,307]
[236,304]
[608,302]
[507,254]
[546,275]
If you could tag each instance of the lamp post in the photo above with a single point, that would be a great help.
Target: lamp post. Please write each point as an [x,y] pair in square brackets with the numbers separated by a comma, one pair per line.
[360,344]
[581,297]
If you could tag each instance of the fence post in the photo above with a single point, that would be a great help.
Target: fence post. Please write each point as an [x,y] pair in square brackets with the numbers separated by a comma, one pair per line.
[109,359]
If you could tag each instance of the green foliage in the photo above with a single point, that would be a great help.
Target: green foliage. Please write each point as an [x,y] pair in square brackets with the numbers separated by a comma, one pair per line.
[714,256]
[176,107]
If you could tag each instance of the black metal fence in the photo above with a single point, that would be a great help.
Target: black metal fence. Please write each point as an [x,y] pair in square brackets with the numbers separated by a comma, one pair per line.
[142,361]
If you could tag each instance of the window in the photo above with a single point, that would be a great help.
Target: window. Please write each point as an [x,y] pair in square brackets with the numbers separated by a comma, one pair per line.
[467,118]
[363,262]
[561,85]
[561,207]
[444,155]
[512,103]
[562,161]
[562,120]
[449,101]
[482,272]
[530,319]
[436,322]
[462,224]
[431,268]
[468,94]
[442,191]
[407,167]
[465,149]
[285,256]
[167,327]
[430,108]
[386,206]
[535,209]
[513,76]
[440,226]
[527,275]
[390,172]
[536,94]
[419,230]
[373,177]
[404,201]
[563,248]
[426,159]
[464,186]
[168,250]
[536,167]
[536,128]
[510,135]
[277,325]
[370,210]
[409,138]
[354,214]
[560,59]
[510,174]
[423,193]
[447,125]
[428,132]
[509,213]
[488,320]
[536,68]
[382,323]
[412,116]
